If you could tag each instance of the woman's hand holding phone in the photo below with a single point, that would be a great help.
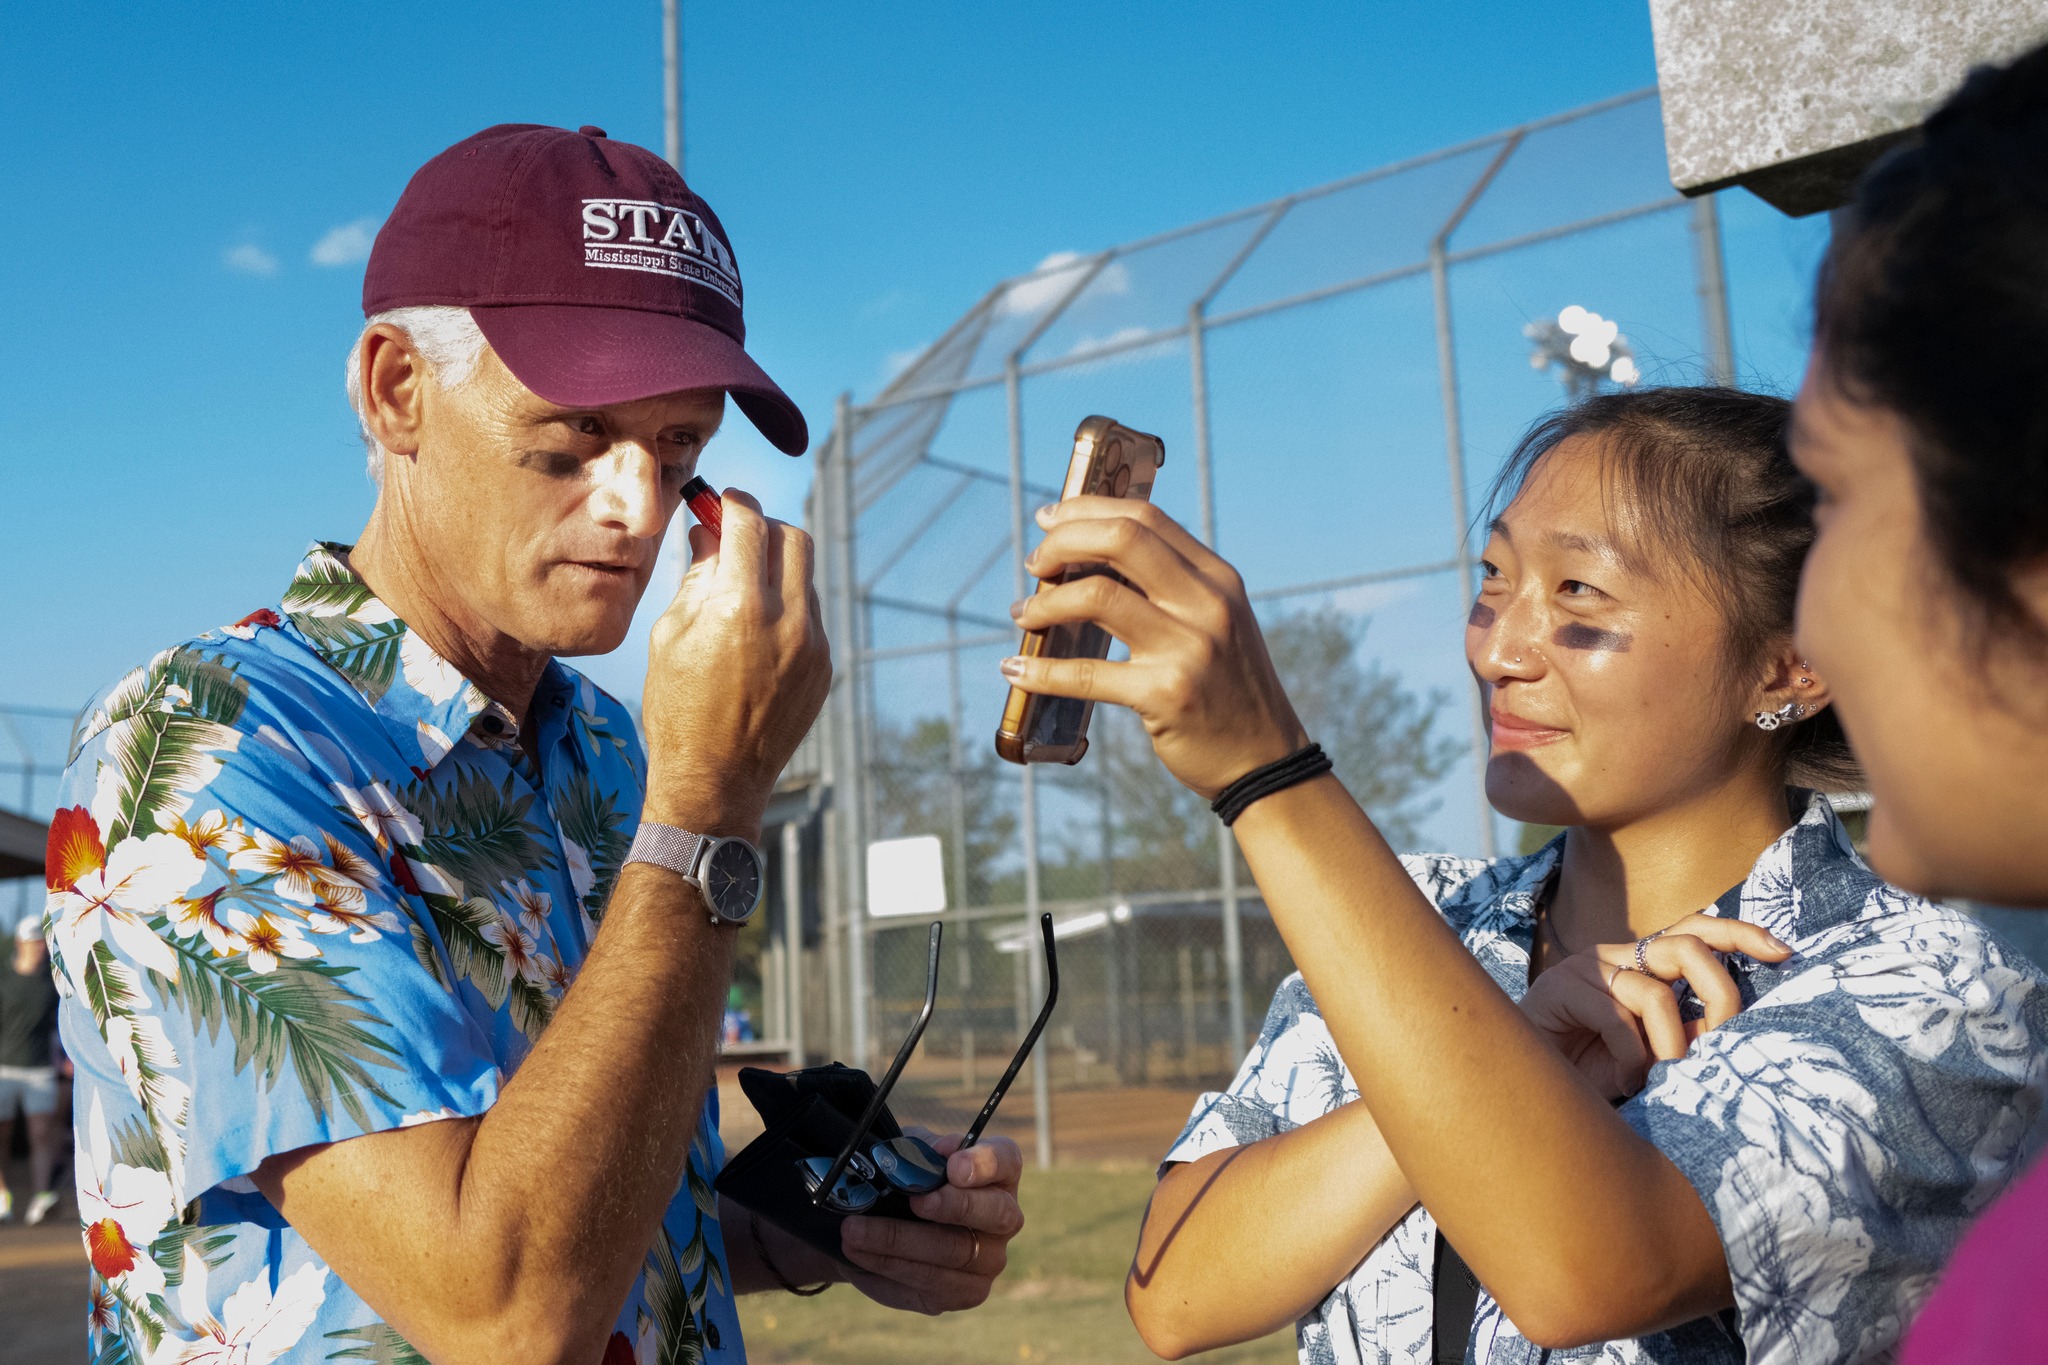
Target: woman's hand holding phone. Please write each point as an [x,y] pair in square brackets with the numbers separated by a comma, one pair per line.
[1198,676]
[1614,1022]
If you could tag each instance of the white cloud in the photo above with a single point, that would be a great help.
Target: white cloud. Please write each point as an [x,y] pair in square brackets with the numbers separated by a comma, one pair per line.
[1361,598]
[896,362]
[1122,336]
[345,244]
[249,259]
[1057,274]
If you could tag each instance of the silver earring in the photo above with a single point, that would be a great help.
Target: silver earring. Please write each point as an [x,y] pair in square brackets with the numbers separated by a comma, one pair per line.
[1771,720]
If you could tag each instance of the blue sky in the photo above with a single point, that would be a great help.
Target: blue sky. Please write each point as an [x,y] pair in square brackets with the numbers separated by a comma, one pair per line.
[189,188]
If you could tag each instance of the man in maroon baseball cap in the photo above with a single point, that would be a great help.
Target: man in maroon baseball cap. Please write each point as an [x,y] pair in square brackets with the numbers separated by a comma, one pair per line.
[595,273]
[475,940]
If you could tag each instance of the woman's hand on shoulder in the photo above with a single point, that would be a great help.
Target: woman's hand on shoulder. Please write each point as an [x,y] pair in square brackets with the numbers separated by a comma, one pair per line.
[1199,676]
[1613,1021]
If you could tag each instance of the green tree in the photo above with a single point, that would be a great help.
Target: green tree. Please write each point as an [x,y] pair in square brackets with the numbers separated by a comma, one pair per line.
[915,792]
[1380,735]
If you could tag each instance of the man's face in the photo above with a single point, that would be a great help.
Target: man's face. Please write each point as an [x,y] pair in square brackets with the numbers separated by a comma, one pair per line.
[541,524]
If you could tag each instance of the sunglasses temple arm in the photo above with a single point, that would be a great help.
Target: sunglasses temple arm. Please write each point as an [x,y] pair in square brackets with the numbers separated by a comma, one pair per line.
[867,1120]
[1052,995]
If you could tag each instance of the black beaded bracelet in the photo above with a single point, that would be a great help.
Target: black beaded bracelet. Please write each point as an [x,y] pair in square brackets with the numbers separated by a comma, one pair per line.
[1296,768]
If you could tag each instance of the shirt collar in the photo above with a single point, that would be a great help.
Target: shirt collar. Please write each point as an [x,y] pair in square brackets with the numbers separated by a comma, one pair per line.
[422,699]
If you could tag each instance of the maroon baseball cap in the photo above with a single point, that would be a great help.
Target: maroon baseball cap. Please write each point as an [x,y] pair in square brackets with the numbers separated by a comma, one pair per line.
[594,272]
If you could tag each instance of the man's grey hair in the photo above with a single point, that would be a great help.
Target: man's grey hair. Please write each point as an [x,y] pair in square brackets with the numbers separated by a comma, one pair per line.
[447,338]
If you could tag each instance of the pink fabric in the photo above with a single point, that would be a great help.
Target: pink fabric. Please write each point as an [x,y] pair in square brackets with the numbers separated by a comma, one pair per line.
[1990,1308]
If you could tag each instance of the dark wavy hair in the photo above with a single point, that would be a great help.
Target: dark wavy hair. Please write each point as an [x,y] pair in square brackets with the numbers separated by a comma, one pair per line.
[1703,478]
[1933,303]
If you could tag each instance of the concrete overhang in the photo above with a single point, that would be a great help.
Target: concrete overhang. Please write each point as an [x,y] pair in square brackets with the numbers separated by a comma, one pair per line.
[1793,99]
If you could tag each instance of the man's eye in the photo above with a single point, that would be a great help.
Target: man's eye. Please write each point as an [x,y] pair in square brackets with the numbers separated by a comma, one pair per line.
[1488,569]
[1572,587]
[589,426]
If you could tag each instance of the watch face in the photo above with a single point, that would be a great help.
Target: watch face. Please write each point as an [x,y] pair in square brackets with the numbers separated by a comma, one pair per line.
[731,878]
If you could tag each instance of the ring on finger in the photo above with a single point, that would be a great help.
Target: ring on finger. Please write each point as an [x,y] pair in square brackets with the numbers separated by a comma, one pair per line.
[1643,955]
[974,1254]
[1615,975]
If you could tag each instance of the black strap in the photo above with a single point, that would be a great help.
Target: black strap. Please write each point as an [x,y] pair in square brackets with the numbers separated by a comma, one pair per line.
[1455,1290]
[1297,767]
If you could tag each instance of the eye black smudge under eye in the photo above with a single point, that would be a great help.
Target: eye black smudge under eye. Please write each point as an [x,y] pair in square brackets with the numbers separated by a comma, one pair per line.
[1481,616]
[1577,636]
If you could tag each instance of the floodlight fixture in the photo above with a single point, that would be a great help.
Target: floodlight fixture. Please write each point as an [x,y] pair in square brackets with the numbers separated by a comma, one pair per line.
[1587,350]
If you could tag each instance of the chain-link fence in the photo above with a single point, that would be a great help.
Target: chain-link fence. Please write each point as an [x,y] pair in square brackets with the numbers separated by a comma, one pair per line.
[1331,372]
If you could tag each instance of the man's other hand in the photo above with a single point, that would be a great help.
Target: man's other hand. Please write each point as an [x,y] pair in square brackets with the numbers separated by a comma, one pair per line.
[737,668]
[951,1260]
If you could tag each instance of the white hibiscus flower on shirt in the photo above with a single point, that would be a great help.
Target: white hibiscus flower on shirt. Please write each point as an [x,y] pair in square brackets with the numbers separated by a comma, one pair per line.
[121,1210]
[255,1326]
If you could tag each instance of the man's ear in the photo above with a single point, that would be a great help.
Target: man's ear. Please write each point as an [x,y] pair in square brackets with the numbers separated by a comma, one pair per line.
[394,380]
[1787,677]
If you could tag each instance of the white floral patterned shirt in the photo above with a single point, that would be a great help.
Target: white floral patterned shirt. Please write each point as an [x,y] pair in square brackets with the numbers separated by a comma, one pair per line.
[1878,1090]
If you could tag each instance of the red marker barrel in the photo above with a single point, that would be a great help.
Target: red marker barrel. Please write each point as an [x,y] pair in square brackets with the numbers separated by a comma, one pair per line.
[704,502]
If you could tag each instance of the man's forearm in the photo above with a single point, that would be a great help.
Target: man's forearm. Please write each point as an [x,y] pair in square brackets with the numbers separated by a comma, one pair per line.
[529,1230]
[1596,1223]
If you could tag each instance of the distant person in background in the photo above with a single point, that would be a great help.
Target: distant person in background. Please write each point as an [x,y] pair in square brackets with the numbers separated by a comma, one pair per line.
[1924,424]
[28,1069]
[394,963]
[1767,1165]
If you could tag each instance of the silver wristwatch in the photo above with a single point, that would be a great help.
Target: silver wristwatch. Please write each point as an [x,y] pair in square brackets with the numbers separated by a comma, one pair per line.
[726,872]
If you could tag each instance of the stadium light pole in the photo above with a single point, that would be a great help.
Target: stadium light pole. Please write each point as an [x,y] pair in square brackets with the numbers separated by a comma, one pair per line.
[672,82]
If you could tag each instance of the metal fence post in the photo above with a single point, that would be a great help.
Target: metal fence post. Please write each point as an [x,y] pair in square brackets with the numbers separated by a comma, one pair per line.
[1226,843]
[793,939]
[851,797]
[964,955]
[1454,453]
[1713,277]
[1041,1084]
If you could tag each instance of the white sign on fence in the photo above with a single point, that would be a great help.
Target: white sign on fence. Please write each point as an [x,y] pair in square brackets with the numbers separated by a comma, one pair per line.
[906,877]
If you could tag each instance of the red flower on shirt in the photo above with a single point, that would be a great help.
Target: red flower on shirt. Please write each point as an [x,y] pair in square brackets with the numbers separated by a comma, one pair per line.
[74,849]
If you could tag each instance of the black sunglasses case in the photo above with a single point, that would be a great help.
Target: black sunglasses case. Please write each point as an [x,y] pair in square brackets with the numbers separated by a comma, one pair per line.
[808,1113]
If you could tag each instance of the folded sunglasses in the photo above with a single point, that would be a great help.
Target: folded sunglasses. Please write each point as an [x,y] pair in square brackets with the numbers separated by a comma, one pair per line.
[832,1148]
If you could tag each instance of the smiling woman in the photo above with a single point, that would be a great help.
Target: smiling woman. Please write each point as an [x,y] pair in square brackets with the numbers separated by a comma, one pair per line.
[1643,1149]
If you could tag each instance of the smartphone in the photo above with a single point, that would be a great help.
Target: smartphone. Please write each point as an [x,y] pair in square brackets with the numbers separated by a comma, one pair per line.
[1112,461]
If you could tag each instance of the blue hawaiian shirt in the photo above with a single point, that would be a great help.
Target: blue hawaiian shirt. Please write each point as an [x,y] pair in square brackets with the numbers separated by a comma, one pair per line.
[1878,1090]
[305,885]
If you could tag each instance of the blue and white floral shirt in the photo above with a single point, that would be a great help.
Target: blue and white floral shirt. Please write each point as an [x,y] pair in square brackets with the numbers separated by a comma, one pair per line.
[305,885]
[1879,1089]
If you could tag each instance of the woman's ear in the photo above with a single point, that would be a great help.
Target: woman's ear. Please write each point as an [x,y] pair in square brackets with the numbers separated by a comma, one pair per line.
[1789,679]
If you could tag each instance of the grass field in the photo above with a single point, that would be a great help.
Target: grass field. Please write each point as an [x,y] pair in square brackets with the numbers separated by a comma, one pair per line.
[1060,1301]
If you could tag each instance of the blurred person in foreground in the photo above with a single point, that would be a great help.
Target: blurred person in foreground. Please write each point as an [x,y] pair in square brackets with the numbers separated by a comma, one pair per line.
[28,1069]
[1924,424]
[1765,1165]
[393,1012]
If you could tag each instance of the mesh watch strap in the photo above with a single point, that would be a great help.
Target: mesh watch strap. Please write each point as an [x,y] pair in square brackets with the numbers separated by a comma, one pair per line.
[665,846]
